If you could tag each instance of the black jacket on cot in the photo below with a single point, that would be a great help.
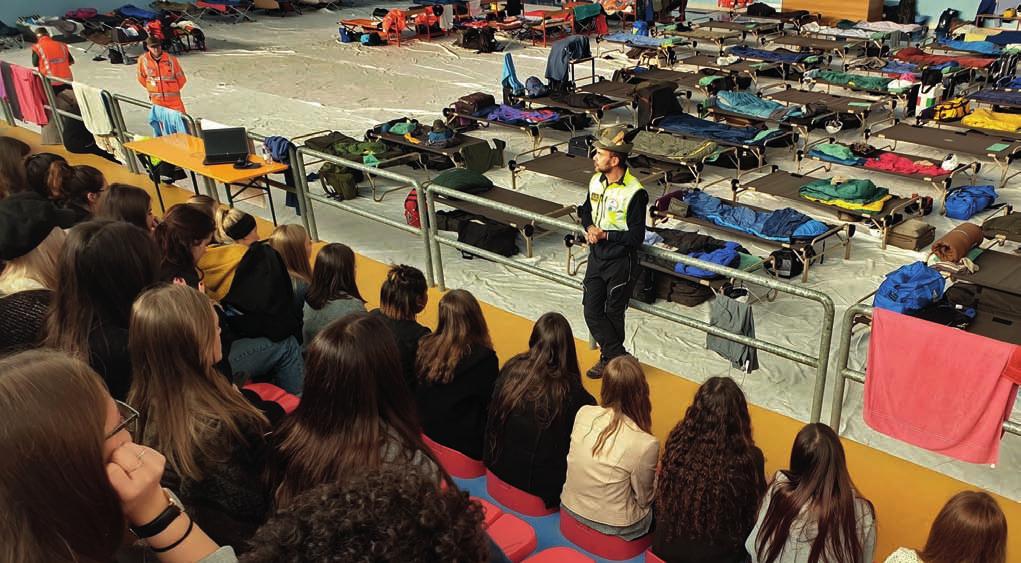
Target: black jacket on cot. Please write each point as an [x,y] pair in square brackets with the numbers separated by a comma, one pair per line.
[260,301]
[530,457]
[454,414]
[619,243]
[407,334]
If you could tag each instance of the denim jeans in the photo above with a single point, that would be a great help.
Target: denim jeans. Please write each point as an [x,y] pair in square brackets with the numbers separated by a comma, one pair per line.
[258,358]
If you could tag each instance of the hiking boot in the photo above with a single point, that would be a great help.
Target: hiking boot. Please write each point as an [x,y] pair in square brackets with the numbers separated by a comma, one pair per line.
[596,371]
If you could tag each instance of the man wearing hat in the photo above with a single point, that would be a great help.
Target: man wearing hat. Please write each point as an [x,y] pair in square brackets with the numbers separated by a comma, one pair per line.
[613,215]
[161,75]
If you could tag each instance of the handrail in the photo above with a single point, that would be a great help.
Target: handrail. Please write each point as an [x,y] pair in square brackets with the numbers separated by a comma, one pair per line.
[845,373]
[433,271]
[819,362]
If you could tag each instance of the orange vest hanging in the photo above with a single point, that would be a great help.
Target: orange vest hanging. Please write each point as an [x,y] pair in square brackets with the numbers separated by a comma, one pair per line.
[54,59]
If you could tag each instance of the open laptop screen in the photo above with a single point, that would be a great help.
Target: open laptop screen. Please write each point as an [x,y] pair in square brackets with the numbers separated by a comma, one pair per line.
[225,145]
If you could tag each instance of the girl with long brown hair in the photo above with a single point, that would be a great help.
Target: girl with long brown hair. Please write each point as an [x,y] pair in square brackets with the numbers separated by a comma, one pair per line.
[333,293]
[183,237]
[72,500]
[457,370]
[103,267]
[211,435]
[130,204]
[812,512]
[294,245]
[403,295]
[537,395]
[46,174]
[356,414]
[81,192]
[970,528]
[12,165]
[611,466]
[711,479]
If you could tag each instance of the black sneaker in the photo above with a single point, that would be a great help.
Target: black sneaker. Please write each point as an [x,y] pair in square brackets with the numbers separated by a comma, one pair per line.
[596,371]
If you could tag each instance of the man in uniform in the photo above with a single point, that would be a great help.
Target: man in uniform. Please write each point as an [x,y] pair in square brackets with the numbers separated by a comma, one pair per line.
[52,58]
[161,75]
[613,216]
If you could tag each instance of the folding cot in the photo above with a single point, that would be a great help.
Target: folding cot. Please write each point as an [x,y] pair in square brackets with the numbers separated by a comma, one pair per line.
[1002,151]
[465,151]
[543,23]
[855,107]
[999,274]
[747,141]
[794,18]
[562,102]
[841,48]
[804,249]
[941,182]
[577,169]
[512,198]
[718,37]
[686,83]
[739,114]
[531,127]
[758,29]
[788,61]
[873,85]
[104,36]
[651,48]
[997,97]
[875,37]
[717,284]
[748,68]
[787,185]
[235,10]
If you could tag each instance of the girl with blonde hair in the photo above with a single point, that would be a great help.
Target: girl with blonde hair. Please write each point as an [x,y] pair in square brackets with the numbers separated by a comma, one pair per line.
[211,435]
[293,244]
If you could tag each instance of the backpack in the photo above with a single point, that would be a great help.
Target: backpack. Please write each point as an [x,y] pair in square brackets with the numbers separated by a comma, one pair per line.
[472,104]
[909,288]
[950,110]
[964,201]
[371,39]
[786,264]
[481,40]
[487,235]
[534,88]
[946,19]
[347,36]
[411,209]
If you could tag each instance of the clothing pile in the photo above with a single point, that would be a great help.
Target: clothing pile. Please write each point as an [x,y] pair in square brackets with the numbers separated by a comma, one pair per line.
[515,116]
[855,195]
[779,225]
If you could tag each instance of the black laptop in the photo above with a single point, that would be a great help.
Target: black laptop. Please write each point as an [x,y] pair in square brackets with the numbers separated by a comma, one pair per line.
[227,145]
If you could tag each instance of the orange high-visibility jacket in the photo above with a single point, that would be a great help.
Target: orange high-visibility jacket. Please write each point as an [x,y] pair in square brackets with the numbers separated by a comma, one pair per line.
[54,58]
[163,79]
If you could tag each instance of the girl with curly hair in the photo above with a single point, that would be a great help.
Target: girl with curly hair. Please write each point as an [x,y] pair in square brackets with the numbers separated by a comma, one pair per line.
[611,467]
[812,512]
[403,295]
[711,479]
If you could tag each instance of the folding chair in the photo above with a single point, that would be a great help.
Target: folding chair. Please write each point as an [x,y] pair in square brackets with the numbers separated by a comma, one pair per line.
[238,10]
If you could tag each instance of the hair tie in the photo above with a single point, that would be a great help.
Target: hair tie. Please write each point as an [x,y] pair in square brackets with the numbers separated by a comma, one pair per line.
[241,229]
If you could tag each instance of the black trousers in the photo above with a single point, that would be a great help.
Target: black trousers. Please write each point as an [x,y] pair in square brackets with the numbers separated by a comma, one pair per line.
[608,285]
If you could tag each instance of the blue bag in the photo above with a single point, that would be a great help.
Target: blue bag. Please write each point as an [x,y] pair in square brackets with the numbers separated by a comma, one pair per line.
[534,87]
[965,201]
[640,28]
[909,288]
[371,39]
[346,36]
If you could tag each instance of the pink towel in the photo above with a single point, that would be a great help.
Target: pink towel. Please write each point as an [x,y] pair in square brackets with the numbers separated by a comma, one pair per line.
[29,91]
[939,388]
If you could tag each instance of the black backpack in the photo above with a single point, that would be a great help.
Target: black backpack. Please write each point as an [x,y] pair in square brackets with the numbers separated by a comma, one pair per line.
[946,19]
[480,40]
[487,235]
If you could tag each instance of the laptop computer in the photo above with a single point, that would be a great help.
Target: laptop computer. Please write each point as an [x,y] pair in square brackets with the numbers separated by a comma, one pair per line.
[227,145]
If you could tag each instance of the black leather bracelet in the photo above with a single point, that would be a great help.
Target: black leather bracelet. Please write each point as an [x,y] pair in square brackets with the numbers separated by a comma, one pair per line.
[160,523]
[191,524]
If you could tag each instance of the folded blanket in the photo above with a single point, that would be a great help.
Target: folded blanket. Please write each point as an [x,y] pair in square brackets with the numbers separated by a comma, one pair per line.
[955,245]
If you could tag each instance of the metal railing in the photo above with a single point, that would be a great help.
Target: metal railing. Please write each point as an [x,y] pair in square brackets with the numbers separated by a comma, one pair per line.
[853,316]
[433,275]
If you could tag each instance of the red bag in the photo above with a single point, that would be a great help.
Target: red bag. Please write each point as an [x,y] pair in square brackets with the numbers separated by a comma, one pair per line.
[411,209]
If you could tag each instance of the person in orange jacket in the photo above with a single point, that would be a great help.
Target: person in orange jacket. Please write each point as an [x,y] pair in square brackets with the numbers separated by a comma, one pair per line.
[161,75]
[52,58]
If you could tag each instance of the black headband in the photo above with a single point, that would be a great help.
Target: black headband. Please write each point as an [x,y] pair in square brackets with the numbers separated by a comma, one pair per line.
[239,230]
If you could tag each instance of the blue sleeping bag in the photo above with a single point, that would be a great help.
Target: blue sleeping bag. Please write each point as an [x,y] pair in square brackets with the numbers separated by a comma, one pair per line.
[726,256]
[981,47]
[131,11]
[770,56]
[965,201]
[636,40]
[909,288]
[744,103]
[685,124]
[780,225]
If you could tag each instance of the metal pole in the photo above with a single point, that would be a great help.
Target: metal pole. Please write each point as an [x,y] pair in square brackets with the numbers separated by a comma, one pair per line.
[843,356]
[51,100]
[433,238]
[301,179]
[121,129]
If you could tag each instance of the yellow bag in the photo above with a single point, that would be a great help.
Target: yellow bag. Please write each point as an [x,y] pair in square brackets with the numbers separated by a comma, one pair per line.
[950,110]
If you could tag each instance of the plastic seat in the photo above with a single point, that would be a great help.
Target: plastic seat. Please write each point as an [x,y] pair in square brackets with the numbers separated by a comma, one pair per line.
[514,536]
[455,462]
[274,394]
[559,555]
[516,499]
[600,544]
[651,557]
[490,511]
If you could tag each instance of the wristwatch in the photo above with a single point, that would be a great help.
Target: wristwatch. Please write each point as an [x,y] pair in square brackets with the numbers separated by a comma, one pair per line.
[161,522]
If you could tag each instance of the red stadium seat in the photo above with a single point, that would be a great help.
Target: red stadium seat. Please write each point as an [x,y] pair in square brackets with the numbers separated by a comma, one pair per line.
[559,555]
[514,537]
[490,510]
[516,499]
[600,544]
[455,462]
[274,394]
[651,557]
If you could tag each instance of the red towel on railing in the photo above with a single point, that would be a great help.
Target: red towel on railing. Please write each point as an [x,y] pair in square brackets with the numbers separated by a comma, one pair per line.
[939,388]
[29,90]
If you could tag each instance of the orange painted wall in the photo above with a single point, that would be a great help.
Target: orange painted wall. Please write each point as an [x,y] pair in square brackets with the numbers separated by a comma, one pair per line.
[907,496]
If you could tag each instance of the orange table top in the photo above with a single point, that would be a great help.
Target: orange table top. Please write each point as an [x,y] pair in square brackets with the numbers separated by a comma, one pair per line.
[187,151]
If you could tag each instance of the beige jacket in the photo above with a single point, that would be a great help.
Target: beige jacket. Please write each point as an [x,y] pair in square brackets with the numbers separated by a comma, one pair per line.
[615,488]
